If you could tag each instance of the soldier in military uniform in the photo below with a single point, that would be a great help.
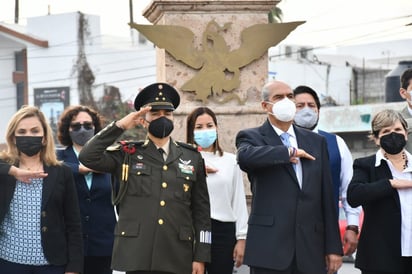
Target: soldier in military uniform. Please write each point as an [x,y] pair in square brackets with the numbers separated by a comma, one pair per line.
[164,212]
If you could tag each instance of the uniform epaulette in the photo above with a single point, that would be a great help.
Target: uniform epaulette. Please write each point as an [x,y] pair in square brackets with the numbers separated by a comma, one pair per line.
[130,146]
[189,146]
[114,147]
[133,143]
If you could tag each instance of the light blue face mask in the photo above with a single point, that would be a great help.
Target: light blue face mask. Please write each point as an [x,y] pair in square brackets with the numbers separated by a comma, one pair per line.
[205,138]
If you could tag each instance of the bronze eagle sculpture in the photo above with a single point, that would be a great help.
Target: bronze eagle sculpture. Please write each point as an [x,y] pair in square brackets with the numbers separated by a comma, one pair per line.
[218,65]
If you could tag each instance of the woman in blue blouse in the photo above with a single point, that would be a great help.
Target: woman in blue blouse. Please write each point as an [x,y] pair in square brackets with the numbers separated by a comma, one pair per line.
[76,126]
[40,230]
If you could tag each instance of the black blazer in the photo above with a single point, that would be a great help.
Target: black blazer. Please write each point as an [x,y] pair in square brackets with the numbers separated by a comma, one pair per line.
[287,221]
[96,209]
[379,247]
[60,216]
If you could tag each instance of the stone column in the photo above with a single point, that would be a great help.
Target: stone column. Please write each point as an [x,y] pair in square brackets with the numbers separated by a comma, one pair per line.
[195,15]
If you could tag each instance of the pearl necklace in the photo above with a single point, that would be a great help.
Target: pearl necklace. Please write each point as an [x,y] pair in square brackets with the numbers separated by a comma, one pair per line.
[404,158]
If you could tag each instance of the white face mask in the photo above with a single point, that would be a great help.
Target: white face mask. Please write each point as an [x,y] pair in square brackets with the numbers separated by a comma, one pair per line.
[284,110]
[306,118]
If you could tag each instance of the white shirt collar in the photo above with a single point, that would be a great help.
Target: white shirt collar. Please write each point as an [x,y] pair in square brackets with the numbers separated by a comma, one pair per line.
[380,157]
[409,109]
[291,131]
[166,147]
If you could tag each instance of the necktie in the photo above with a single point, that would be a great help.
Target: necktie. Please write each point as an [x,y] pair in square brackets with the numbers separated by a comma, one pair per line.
[162,152]
[285,140]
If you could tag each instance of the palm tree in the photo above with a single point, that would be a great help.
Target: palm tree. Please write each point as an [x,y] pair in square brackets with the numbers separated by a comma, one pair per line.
[275,15]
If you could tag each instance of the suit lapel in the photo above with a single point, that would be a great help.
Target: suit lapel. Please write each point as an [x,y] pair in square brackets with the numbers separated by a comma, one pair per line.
[383,171]
[269,135]
[271,138]
[152,152]
[301,139]
[48,185]
[70,157]
[174,152]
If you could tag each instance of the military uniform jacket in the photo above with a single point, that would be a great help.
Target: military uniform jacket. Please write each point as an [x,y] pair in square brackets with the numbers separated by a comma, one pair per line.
[164,210]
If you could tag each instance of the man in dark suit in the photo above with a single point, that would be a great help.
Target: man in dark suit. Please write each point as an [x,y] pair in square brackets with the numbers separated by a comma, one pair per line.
[293,226]
[406,93]
[164,212]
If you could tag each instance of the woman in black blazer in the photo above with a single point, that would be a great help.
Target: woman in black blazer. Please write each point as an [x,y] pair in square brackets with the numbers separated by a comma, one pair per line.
[382,185]
[40,230]
[76,126]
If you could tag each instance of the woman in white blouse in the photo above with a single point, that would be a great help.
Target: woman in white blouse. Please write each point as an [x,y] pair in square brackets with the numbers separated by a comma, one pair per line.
[226,193]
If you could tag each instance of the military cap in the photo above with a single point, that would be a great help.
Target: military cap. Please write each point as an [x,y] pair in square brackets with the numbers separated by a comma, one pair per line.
[158,96]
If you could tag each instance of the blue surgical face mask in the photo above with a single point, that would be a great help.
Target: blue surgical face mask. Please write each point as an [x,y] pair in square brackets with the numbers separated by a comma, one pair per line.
[205,138]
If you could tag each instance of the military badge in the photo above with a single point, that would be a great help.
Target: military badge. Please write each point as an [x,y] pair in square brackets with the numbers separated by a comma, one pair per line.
[139,166]
[185,167]
[186,187]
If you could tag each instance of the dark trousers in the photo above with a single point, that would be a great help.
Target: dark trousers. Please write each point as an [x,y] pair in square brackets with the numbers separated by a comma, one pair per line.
[97,265]
[292,269]
[223,243]
[406,265]
[258,270]
[9,267]
[148,272]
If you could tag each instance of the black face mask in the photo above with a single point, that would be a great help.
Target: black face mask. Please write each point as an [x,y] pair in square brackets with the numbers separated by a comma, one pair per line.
[393,143]
[29,145]
[161,127]
[81,136]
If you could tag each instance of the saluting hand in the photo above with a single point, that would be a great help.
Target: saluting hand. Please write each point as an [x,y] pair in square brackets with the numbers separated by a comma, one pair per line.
[210,169]
[300,153]
[133,119]
[24,175]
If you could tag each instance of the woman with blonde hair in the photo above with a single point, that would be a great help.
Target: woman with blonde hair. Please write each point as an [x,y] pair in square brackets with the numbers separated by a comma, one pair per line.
[382,185]
[40,230]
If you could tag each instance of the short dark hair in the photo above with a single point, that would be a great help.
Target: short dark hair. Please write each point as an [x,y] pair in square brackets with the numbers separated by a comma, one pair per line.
[309,90]
[66,118]
[191,122]
[406,77]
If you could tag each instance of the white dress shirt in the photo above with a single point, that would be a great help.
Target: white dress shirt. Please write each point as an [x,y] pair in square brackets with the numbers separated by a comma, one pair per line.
[346,173]
[405,197]
[294,143]
[226,191]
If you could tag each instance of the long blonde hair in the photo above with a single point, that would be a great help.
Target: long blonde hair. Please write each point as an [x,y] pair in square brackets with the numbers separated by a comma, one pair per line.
[47,153]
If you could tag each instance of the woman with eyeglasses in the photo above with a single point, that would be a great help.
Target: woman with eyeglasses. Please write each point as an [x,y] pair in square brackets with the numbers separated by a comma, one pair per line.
[40,227]
[76,126]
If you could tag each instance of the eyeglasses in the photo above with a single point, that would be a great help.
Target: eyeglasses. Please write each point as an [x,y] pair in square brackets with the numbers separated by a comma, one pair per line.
[78,126]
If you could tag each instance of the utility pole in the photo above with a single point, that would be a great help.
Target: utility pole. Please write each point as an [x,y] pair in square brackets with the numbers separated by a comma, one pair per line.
[16,11]
[130,11]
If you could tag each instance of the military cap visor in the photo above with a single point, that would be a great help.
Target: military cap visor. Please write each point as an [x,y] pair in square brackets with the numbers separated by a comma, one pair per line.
[158,96]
